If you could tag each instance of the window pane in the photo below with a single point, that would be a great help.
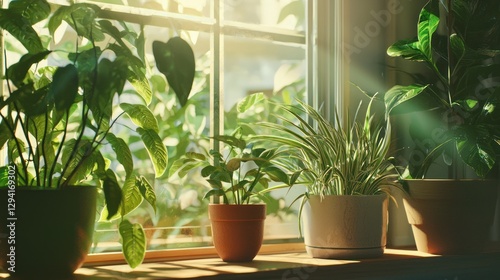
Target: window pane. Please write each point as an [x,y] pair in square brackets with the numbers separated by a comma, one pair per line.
[288,14]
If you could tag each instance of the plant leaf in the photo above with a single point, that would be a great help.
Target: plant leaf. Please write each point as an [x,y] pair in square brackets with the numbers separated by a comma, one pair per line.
[131,196]
[398,95]
[33,10]
[112,193]
[141,116]
[156,150]
[250,100]
[175,59]
[19,27]
[123,153]
[427,25]
[147,191]
[407,49]
[476,150]
[17,72]
[64,87]
[133,242]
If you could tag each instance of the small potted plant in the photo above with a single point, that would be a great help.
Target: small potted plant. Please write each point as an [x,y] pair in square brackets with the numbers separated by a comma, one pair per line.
[236,175]
[346,173]
[455,128]
[55,119]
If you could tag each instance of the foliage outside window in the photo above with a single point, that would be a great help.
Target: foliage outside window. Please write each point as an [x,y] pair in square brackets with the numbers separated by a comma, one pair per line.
[251,64]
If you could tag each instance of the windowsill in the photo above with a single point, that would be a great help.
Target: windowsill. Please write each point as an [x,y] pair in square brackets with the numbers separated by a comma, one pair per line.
[395,264]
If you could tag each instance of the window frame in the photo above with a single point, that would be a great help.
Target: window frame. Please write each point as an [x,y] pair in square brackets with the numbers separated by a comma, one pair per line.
[324,78]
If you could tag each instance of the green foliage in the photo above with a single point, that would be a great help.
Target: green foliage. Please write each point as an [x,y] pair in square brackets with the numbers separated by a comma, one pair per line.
[238,174]
[460,99]
[333,160]
[56,120]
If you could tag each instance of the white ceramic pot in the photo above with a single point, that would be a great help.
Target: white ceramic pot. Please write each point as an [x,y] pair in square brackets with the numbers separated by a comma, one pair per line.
[345,227]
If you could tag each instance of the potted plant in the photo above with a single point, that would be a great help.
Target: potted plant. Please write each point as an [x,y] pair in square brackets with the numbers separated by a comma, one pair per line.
[346,172]
[236,175]
[458,121]
[56,119]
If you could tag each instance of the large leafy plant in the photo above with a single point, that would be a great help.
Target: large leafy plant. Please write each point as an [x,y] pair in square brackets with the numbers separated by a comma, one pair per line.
[62,105]
[459,41]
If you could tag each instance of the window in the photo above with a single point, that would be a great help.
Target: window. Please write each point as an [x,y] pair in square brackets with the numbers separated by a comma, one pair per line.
[241,47]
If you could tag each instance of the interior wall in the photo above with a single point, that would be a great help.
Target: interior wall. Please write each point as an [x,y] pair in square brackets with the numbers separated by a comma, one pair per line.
[371,26]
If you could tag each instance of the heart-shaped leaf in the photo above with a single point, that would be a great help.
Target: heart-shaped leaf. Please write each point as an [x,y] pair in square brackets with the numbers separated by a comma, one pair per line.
[175,59]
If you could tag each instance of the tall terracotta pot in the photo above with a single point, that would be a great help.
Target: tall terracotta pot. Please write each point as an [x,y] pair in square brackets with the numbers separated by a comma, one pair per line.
[450,216]
[237,230]
[346,226]
[47,233]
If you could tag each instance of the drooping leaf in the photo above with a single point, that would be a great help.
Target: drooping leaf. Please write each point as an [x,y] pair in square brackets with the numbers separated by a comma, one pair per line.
[133,242]
[141,116]
[156,149]
[276,174]
[17,72]
[398,95]
[33,10]
[175,59]
[64,87]
[112,193]
[123,153]
[19,27]
[147,191]
[131,196]
[407,49]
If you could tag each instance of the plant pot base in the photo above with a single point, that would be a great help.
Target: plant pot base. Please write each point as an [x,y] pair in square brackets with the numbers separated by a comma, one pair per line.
[340,253]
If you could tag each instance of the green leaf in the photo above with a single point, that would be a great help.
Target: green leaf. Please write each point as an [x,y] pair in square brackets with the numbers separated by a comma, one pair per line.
[398,95]
[5,134]
[133,242]
[141,116]
[276,174]
[4,176]
[231,141]
[64,87]
[123,153]
[175,59]
[428,24]
[81,17]
[156,150]
[476,150]
[19,27]
[457,46]
[407,49]
[215,192]
[17,72]
[208,170]
[33,10]
[249,101]
[112,193]
[131,196]
[147,191]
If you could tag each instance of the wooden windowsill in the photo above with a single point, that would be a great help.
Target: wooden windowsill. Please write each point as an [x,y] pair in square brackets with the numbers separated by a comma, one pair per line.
[395,264]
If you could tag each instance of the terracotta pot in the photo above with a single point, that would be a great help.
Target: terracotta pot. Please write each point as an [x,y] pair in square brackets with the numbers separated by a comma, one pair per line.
[52,231]
[450,216]
[345,227]
[237,230]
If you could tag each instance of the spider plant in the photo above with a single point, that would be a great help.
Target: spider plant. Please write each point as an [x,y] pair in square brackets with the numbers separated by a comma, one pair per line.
[334,160]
